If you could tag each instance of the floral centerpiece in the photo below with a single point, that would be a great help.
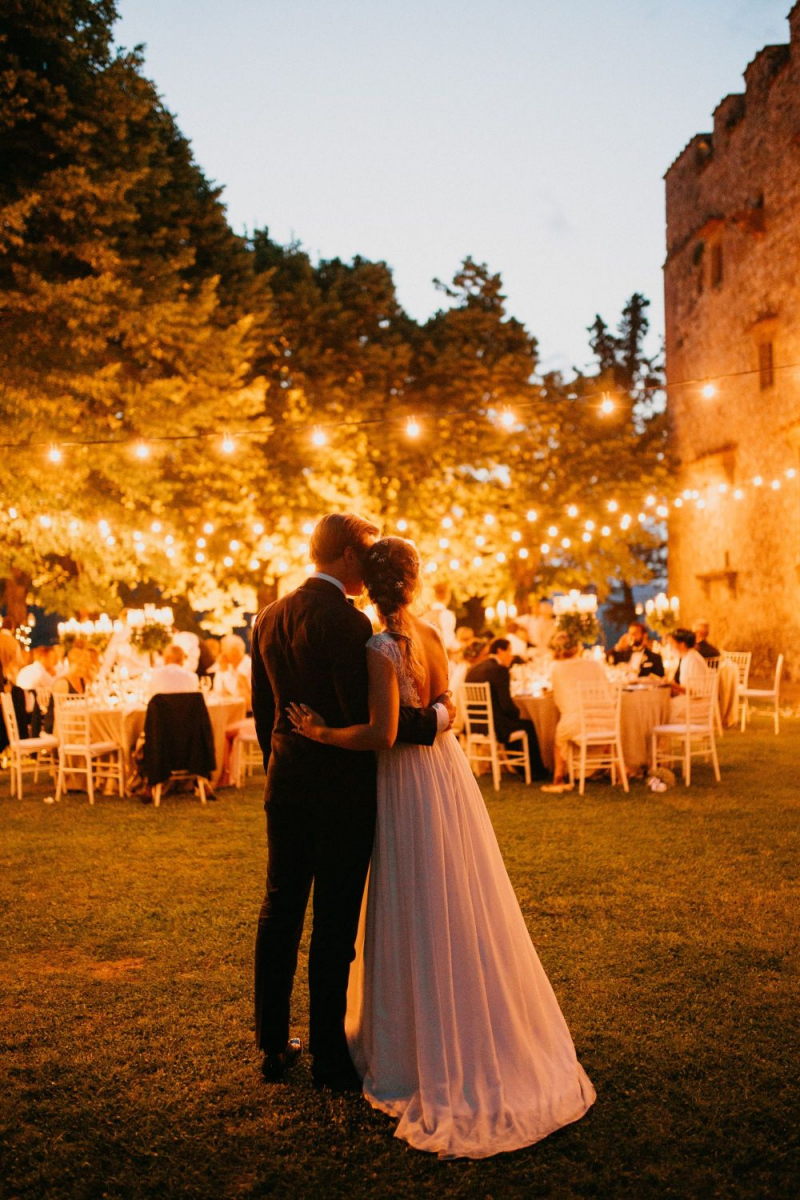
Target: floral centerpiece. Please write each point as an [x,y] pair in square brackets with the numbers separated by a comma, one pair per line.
[576,615]
[150,629]
[663,614]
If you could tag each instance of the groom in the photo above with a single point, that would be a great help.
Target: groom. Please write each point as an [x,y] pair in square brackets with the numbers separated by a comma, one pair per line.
[309,648]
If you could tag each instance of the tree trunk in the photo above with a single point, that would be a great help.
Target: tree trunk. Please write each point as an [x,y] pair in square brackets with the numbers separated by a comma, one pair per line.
[16,597]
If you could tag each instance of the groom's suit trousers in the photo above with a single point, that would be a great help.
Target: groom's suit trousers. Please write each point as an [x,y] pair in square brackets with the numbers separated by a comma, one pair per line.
[327,842]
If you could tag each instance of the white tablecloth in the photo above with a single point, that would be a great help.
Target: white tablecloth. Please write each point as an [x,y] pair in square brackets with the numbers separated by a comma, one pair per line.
[642,709]
[123,723]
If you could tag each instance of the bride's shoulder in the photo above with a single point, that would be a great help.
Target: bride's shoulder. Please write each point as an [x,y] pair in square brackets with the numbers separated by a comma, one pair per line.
[383,642]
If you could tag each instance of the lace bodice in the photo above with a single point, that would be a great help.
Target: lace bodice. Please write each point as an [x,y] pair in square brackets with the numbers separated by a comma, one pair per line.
[386,645]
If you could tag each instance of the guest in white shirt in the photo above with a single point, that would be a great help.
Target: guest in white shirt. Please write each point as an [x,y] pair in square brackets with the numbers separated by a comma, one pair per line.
[569,670]
[691,669]
[442,616]
[538,624]
[190,645]
[173,676]
[234,669]
[40,675]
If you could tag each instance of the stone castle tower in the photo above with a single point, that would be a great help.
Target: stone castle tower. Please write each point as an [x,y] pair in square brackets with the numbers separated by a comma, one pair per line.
[732,291]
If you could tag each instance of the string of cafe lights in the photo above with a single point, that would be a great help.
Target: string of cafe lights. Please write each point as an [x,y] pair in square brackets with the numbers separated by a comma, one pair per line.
[319,433]
[276,555]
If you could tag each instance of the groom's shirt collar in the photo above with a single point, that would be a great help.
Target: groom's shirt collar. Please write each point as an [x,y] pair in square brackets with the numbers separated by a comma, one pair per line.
[330,579]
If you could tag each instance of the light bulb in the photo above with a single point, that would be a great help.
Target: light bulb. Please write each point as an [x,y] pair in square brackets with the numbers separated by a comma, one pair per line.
[531,514]
[412,427]
[308,528]
[454,564]
[477,561]
[199,557]
[402,525]
[234,545]
[612,506]
[254,564]
[156,527]
[566,543]
[501,558]
[553,531]
[208,527]
[54,454]
[606,404]
[319,437]
[488,519]
[507,418]
[523,553]
[142,450]
[480,540]
[227,561]
[258,529]
[516,536]
[708,391]
[228,444]
[545,549]
[606,530]
[587,537]
[443,543]
[201,543]
[447,522]
[572,511]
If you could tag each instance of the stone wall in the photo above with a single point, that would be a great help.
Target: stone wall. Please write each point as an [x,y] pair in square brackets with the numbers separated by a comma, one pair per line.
[732,291]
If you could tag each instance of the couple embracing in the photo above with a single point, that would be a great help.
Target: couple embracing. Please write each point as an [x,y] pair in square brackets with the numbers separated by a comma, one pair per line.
[425,990]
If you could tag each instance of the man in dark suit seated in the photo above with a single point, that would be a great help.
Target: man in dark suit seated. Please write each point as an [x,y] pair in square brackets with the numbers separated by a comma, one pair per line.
[632,648]
[496,671]
[702,645]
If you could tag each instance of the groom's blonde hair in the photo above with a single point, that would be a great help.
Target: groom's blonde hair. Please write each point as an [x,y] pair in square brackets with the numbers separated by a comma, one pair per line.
[335,532]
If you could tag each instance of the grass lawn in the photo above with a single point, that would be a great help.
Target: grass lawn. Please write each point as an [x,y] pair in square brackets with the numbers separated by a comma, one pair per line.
[666,924]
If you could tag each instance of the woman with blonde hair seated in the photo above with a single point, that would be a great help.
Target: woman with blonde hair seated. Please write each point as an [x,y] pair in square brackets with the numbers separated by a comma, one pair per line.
[569,670]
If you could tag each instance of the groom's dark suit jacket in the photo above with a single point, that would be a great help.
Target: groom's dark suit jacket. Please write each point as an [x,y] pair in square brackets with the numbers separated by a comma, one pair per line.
[309,648]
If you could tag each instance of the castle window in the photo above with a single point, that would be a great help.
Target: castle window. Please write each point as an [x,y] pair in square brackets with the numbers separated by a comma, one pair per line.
[766,370]
[716,264]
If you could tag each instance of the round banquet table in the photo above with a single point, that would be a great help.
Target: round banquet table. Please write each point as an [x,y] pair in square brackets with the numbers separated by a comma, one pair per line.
[728,694]
[122,723]
[643,707]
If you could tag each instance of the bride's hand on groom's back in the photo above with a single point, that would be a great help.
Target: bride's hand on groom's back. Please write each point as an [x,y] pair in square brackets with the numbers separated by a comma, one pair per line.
[307,722]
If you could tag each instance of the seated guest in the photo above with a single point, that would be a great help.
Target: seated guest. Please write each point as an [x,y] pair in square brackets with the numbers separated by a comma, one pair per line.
[82,668]
[702,645]
[632,648]
[10,658]
[190,645]
[691,669]
[174,676]
[442,616]
[495,670]
[569,670]
[208,656]
[41,673]
[234,668]
[537,626]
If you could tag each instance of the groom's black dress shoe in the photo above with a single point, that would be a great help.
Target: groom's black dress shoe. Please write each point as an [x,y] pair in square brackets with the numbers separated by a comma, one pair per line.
[345,1079]
[275,1066]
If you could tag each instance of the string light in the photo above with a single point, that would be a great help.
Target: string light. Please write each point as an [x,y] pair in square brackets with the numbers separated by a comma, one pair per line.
[227,561]
[156,527]
[208,527]
[447,522]
[318,436]
[402,525]
[572,511]
[54,454]
[308,528]
[201,543]
[523,553]
[545,549]
[516,536]
[142,450]
[480,540]
[552,531]
[489,519]
[531,515]
[258,529]
[506,417]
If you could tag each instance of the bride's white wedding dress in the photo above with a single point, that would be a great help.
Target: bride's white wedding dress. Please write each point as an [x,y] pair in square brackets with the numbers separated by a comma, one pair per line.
[450,1017]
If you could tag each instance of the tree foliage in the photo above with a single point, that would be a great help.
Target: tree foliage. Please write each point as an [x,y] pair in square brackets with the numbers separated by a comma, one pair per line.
[131,312]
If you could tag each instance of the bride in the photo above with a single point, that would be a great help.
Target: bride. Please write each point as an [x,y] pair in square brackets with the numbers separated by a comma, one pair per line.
[451,1019]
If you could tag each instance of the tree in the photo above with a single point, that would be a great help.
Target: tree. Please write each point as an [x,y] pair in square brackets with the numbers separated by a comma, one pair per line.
[129,309]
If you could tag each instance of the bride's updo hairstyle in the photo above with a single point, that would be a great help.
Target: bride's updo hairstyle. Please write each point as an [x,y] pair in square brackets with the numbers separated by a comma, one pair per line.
[391,570]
